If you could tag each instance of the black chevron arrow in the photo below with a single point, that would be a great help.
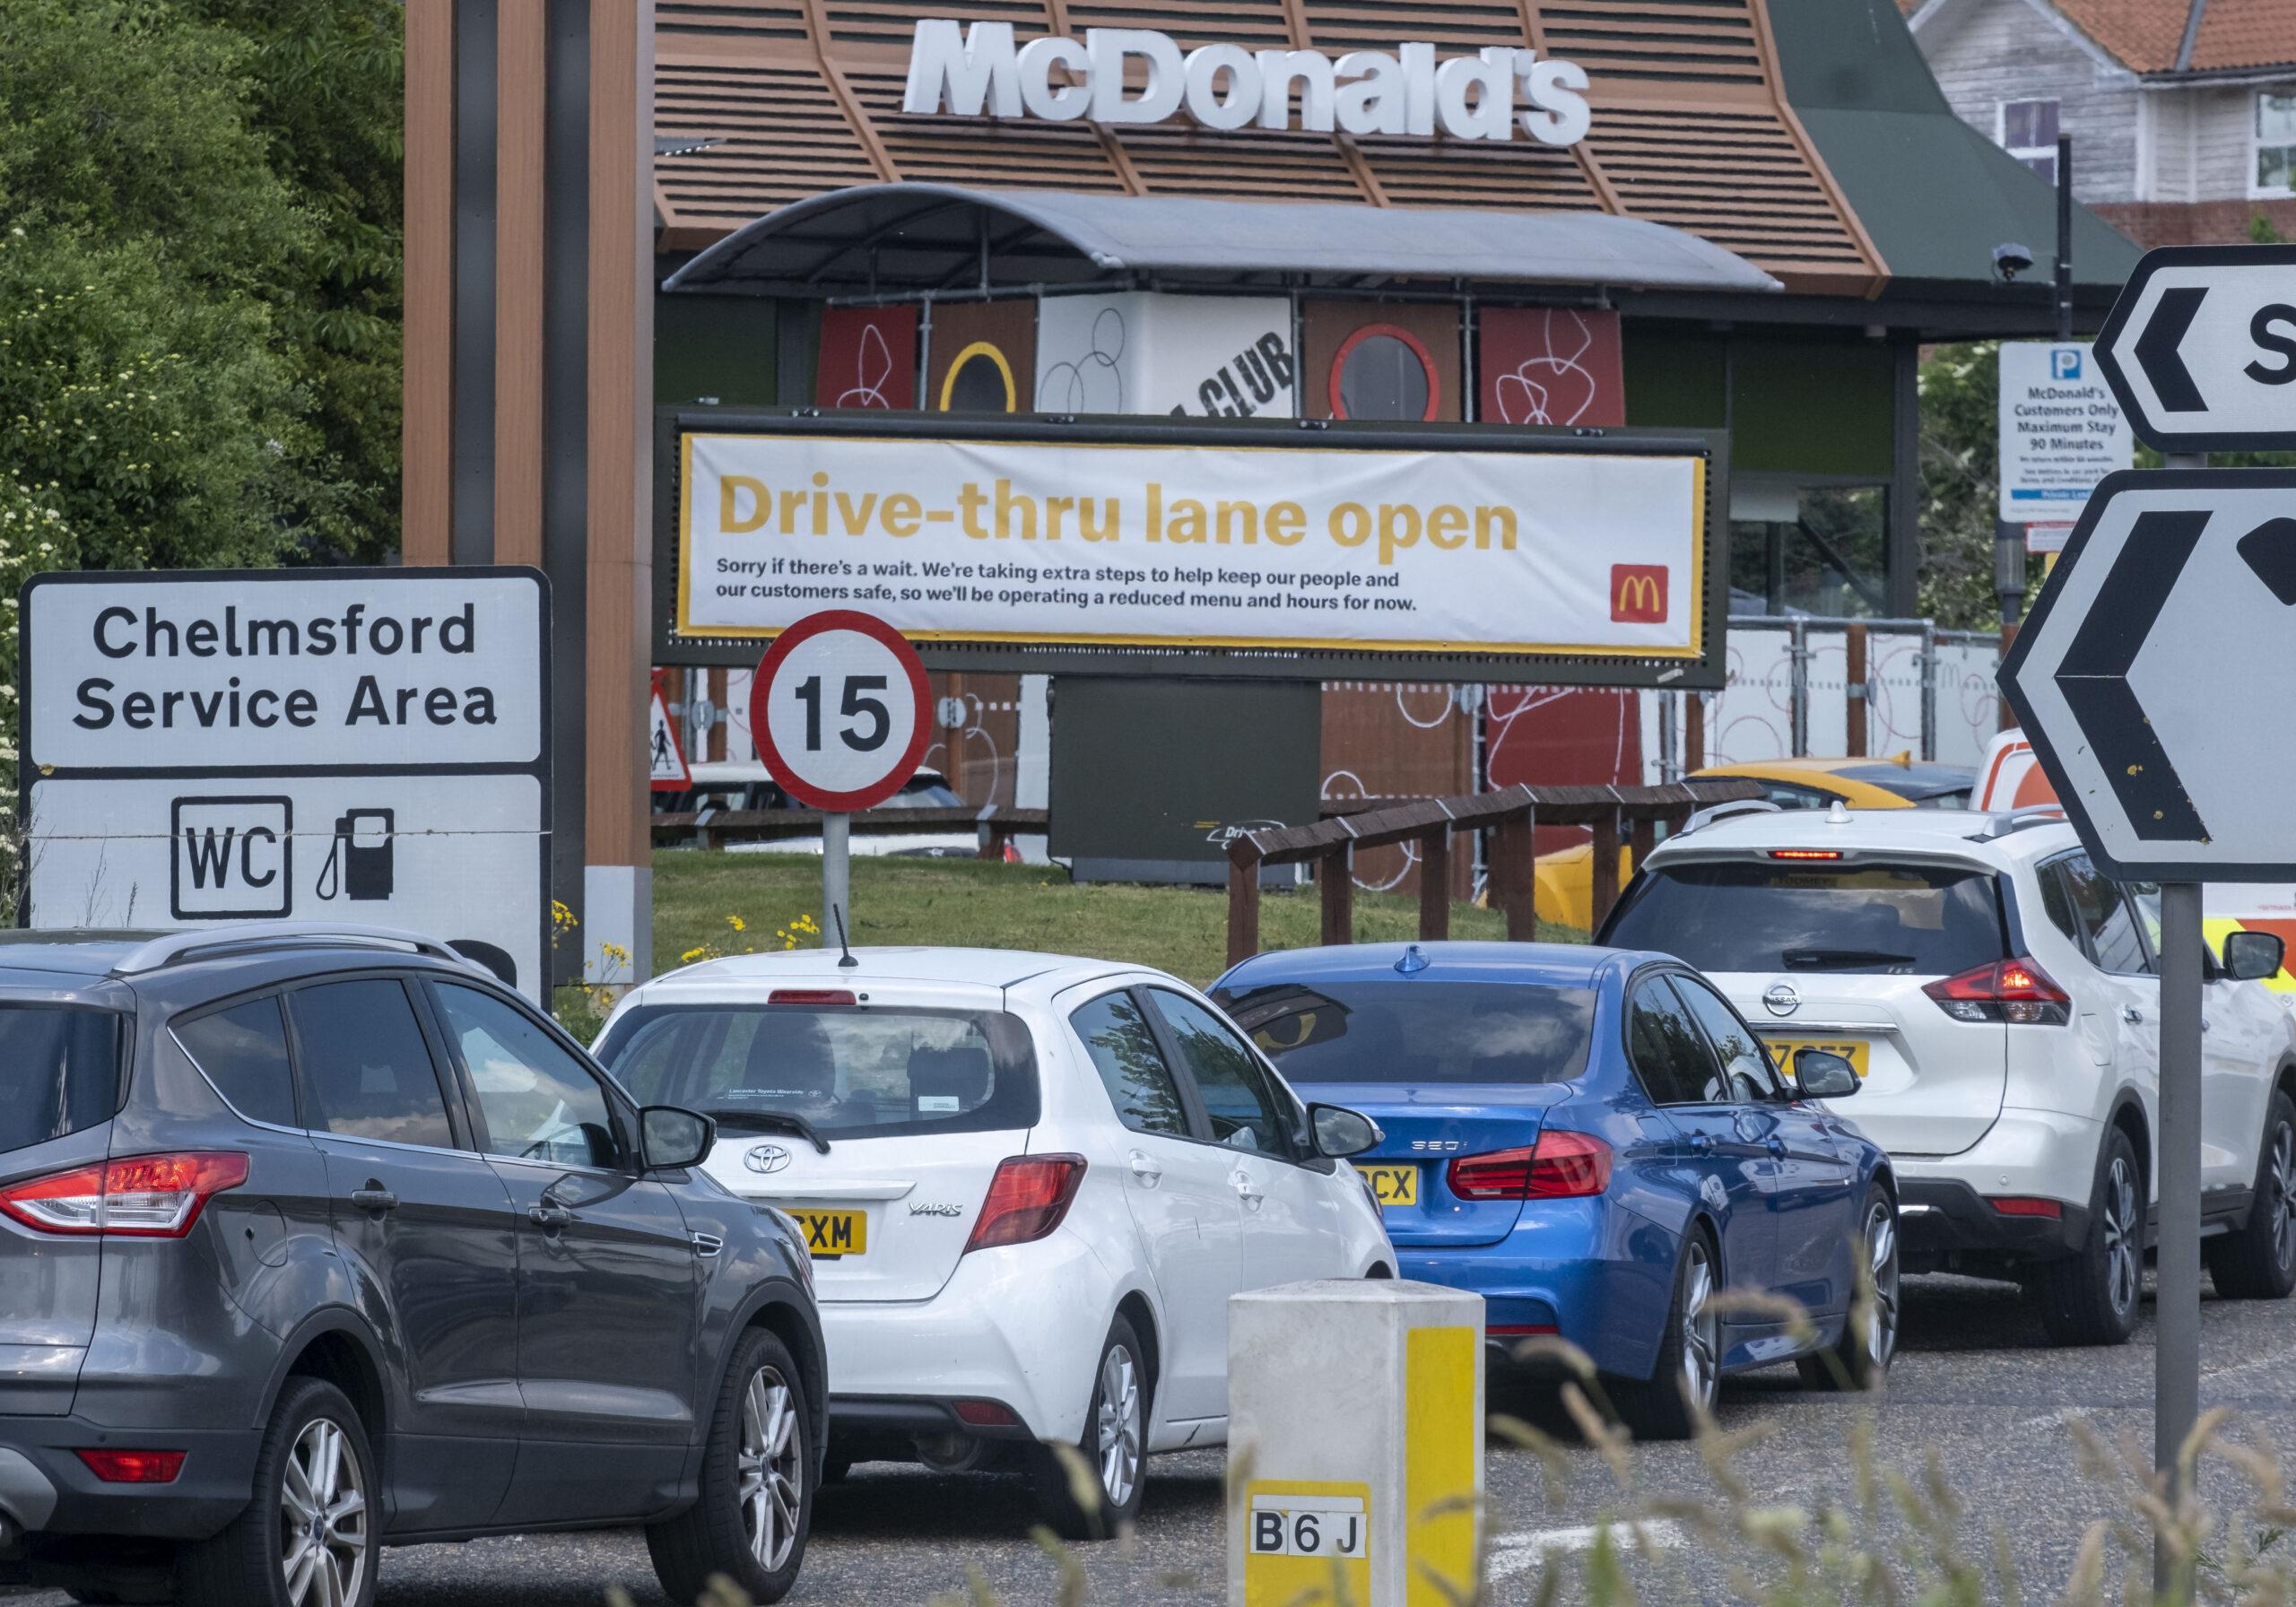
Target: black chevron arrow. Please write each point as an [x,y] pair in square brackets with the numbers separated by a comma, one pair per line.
[2156,349]
[2094,675]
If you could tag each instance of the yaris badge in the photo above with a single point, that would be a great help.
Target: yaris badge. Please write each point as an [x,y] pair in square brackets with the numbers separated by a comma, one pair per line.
[765,1158]
[1778,999]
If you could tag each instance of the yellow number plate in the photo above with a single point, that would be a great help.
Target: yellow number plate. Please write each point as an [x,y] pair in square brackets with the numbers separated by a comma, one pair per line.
[1855,1050]
[1391,1185]
[830,1234]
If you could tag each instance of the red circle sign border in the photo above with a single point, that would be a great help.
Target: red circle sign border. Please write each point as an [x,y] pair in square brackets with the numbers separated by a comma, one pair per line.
[761,721]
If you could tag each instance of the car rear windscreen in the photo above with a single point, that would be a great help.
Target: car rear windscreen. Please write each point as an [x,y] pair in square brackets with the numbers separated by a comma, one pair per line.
[59,1072]
[848,1071]
[1853,919]
[1401,1031]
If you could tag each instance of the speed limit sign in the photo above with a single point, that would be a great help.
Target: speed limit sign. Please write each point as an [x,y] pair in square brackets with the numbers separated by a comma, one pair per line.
[839,710]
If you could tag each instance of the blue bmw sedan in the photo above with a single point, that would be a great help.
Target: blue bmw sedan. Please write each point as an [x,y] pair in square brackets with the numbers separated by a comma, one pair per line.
[1594,1142]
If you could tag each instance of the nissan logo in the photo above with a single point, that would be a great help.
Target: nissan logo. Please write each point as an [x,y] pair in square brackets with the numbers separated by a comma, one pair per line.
[765,1158]
[1779,999]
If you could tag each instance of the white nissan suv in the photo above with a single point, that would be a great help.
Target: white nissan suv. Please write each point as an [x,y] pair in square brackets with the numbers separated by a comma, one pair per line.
[2000,998]
[1030,1183]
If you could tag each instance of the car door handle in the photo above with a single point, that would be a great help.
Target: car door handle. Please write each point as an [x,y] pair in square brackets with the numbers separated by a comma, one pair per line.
[550,1219]
[1146,1169]
[374,1197]
[2131,1014]
[1776,1146]
[1249,1192]
[1701,1143]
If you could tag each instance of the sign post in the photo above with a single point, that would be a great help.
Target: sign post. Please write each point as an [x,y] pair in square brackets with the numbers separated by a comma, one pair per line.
[361,746]
[840,714]
[2117,680]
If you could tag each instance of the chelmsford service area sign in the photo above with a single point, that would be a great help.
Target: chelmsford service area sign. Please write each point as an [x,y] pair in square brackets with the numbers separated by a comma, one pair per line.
[367,746]
[1379,545]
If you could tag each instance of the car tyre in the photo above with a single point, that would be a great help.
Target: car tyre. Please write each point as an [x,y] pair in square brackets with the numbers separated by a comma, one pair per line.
[312,1535]
[1682,1388]
[1860,1359]
[2091,1297]
[2258,1262]
[1114,1448]
[758,1475]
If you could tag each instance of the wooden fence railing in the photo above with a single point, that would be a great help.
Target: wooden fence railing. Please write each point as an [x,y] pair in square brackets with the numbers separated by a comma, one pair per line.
[1629,814]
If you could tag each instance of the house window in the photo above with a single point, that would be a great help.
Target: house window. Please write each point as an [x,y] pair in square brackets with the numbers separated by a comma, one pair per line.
[2029,134]
[2275,141]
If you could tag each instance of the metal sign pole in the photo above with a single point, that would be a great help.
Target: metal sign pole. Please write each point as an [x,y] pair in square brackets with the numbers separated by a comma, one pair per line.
[2176,1357]
[837,881]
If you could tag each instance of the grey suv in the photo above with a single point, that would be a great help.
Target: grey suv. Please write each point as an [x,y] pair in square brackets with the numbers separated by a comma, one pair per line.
[317,1240]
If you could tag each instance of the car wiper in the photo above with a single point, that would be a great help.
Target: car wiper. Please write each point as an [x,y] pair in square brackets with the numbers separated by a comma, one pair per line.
[771,1121]
[1820,959]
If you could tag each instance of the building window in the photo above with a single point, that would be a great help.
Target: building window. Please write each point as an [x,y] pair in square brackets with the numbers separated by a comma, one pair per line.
[2029,134]
[2275,141]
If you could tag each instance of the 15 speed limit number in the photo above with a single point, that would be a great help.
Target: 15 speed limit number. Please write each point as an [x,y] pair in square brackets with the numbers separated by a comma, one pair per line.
[839,710]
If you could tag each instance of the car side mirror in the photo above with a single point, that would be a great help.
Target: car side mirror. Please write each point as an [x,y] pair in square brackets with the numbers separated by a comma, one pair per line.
[1823,1074]
[673,1138]
[2252,956]
[1340,1131]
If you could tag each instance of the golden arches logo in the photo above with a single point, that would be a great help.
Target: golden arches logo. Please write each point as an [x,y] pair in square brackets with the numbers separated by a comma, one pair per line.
[1637,593]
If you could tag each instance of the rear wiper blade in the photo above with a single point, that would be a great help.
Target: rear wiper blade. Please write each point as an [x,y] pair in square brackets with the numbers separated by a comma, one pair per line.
[771,1121]
[1817,959]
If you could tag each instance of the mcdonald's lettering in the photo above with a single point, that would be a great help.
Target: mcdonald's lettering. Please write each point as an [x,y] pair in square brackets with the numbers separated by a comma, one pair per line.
[1639,593]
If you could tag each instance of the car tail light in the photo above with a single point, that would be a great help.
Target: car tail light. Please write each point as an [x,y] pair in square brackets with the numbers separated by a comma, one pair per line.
[810,996]
[1562,1166]
[2025,1205]
[135,1467]
[1519,1330]
[987,1414]
[2015,991]
[1806,853]
[141,1196]
[1026,1200]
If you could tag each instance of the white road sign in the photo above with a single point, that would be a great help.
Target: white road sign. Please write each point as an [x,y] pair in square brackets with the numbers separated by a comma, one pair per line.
[2172,758]
[371,746]
[2201,348]
[2061,431]
[844,713]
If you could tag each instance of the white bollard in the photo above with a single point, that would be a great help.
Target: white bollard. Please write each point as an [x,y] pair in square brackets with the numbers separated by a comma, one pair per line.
[1356,1417]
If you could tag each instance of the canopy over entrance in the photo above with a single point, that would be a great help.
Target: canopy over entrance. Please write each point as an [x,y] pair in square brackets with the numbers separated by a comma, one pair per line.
[912,238]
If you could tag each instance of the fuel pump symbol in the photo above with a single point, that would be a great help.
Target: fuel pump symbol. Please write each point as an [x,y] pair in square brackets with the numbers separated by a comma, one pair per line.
[358,866]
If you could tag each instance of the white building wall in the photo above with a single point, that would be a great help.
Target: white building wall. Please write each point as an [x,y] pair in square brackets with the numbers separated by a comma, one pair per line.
[1987,52]
[2224,143]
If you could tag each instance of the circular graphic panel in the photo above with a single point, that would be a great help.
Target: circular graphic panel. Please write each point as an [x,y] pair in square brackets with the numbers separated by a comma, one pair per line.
[1383,372]
[980,380]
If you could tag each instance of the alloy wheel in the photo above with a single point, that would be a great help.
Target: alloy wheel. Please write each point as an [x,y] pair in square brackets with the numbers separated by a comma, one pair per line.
[1117,1426]
[2281,1180]
[771,1467]
[1700,1329]
[1881,1266]
[323,1517]
[2123,1252]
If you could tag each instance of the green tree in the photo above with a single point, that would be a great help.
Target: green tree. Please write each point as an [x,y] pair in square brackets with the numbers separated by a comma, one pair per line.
[1960,483]
[147,394]
[326,81]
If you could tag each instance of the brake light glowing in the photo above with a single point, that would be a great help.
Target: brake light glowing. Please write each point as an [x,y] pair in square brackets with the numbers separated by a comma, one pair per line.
[135,1467]
[1806,853]
[1026,1200]
[810,996]
[140,1196]
[1562,1166]
[2015,991]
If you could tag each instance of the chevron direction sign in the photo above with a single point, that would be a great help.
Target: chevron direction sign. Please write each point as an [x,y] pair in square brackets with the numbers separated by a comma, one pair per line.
[2144,678]
[2201,348]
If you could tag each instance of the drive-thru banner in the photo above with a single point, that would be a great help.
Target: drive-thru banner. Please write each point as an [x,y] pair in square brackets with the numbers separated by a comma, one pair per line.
[1166,545]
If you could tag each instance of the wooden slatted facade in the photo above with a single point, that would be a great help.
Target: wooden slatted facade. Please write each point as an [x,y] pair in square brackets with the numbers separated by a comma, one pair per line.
[1690,125]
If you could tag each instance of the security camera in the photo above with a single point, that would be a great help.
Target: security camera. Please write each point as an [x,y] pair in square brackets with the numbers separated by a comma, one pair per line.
[2011,259]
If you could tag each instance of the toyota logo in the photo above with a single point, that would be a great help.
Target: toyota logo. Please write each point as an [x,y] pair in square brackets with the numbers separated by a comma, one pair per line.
[1779,999]
[765,1158]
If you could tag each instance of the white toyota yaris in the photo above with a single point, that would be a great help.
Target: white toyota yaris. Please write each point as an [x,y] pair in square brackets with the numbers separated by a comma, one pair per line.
[1031,1182]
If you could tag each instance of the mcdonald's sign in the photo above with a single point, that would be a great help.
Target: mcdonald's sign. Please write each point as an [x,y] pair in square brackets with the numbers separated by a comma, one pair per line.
[1639,593]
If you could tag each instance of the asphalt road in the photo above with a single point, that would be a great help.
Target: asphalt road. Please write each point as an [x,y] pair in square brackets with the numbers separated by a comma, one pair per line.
[1975,1384]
